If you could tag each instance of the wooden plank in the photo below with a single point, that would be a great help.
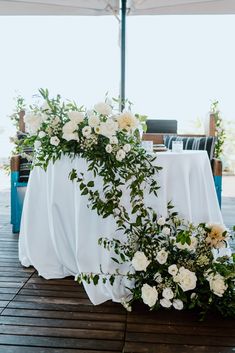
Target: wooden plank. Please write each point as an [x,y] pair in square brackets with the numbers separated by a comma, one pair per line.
[101,344]
[66,307]
[24,349]
[61,323]
[8,290]
[72,315]
[168,338]
[53,293]
[174,317]
[6,284]
[54,287]
[53,300]
[132,347]
[15,274]
[178,329]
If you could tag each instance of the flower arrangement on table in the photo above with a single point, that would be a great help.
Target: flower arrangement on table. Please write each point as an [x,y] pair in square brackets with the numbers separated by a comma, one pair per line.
[173,263]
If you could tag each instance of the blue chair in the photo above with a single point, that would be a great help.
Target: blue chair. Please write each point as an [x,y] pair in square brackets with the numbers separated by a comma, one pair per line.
[20,169]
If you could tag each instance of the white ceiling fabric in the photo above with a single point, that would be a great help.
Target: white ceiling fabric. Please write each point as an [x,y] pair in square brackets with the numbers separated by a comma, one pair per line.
[109,7]
[181,7]
[59,7]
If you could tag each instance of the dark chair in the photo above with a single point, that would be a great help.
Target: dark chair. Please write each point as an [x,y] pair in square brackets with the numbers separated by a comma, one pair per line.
[161,126]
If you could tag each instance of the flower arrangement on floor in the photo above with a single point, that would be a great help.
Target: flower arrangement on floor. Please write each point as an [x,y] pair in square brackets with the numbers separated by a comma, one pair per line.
[172,263]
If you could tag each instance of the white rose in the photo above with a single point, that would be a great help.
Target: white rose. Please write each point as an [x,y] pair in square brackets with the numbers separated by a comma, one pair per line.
[120,155]
[76,117]
[41,134]
[167,293]
[162,256]
[166,231]
[165,303]
[54,141]
[161,221]
[217,285]
[186,279]
[173,270]
[127,121]
[178,304]
[108,128]
[149,295]
[37,144]
[127,147]
[140,261]
[108,148]
[86,131]
[103,108]
[113,140]
[69,131]
[93,121]
[33,123]
[158,277]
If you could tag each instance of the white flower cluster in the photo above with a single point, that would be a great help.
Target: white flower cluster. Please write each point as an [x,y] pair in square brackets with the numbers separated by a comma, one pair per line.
[168,288]
[83,127]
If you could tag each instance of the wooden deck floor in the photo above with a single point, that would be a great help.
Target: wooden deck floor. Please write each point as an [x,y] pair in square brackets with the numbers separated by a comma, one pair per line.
[39,316]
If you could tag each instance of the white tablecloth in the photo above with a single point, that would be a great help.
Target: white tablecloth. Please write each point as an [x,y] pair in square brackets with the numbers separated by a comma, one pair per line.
[59,234]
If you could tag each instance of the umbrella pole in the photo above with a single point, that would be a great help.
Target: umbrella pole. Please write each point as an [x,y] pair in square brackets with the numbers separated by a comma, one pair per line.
[123,54]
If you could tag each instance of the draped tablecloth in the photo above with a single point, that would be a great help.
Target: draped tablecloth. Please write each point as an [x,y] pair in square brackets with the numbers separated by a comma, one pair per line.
[59,233]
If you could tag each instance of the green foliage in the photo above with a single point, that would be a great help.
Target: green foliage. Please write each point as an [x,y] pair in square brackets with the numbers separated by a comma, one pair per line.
[220,131]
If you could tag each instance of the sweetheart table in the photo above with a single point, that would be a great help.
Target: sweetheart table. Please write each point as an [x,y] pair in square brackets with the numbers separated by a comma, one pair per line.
[59,233]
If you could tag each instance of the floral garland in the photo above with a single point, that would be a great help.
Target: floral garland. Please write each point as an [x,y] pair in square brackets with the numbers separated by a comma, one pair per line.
[172,263]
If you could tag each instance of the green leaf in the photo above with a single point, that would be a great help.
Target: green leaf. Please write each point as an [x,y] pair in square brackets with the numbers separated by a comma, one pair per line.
[90,184]
[96,279]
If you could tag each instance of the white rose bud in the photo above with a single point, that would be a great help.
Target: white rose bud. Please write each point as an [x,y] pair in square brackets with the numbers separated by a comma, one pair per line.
[167,293]
[93,121]
[127,147]
[161,221]
[173,270]
[120,155]
[178,304]
[158,277]
[86,131]
[108,148]
[103,108]
[165,303]
[54,141]
[37,144]
[166,231]
[41,134]
[162,256]
[113,140]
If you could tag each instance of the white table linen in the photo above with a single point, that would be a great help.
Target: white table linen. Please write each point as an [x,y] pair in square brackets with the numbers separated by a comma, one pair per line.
[59,233]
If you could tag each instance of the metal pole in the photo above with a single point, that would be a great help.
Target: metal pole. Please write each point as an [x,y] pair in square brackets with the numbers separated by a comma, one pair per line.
[123,54]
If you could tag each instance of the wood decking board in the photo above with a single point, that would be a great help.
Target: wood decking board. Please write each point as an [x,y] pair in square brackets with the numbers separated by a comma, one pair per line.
[56,316]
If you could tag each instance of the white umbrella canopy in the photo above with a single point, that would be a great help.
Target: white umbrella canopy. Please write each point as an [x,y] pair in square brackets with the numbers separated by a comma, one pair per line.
[109,7]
